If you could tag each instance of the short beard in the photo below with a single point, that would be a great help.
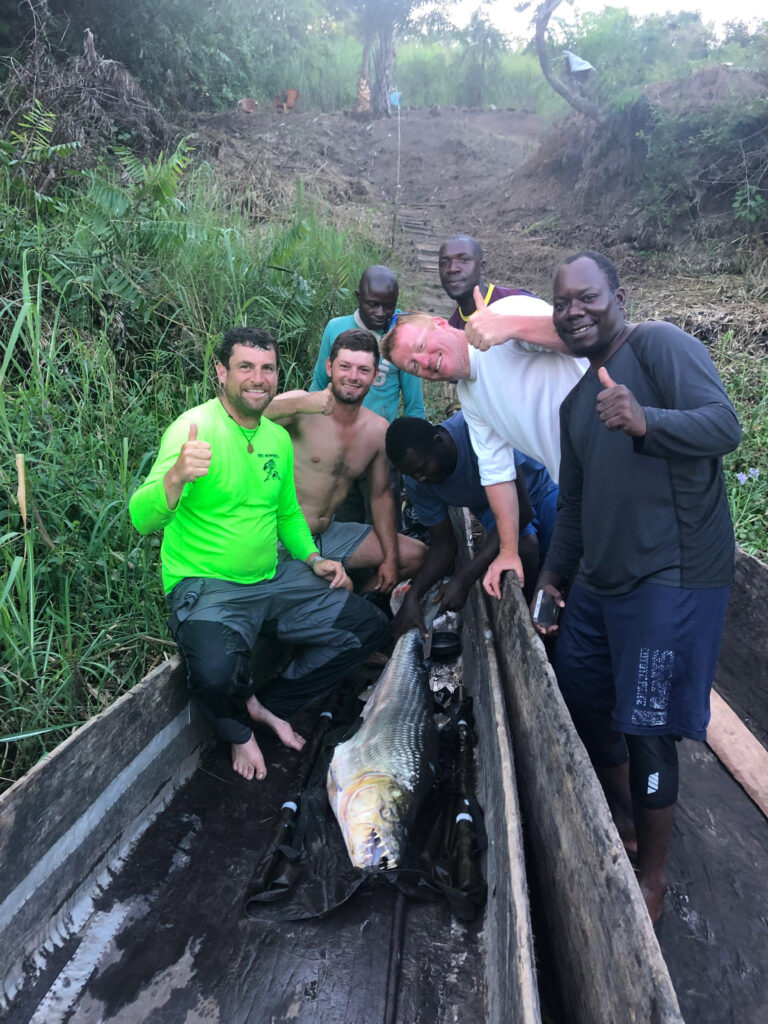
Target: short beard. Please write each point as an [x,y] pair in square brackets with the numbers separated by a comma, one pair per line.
[344,400]
[241,407]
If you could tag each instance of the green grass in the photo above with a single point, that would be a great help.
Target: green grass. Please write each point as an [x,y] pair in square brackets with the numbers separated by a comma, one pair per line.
[108,327]
[746,470]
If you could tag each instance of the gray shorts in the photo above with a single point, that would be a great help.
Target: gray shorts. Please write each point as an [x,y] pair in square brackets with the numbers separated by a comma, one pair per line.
[303,605]
[341,540]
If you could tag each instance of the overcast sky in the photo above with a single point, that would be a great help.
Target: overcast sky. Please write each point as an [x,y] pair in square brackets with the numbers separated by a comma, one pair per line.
[509,21]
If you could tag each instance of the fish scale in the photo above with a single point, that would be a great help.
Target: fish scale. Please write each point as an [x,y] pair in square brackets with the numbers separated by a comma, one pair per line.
[379,777]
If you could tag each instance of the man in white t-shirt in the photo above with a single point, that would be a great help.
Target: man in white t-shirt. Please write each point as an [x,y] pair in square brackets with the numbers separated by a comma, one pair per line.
[510,394]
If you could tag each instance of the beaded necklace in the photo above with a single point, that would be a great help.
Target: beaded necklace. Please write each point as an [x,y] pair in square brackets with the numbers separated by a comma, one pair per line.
[248,436]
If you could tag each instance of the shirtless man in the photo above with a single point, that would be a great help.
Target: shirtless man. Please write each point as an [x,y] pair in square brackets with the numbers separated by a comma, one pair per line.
[336,439]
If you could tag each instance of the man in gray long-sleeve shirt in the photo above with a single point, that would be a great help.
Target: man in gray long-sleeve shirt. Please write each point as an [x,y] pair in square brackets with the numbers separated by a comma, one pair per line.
[643,520]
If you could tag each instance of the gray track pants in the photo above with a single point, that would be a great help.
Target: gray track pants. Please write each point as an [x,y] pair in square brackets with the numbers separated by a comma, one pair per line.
[216,623]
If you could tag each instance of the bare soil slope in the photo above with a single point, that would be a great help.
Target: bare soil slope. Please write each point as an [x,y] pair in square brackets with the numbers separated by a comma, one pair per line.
[438,171]
[442,171]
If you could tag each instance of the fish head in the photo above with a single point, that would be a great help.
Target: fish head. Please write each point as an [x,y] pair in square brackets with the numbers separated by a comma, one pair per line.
[372,813]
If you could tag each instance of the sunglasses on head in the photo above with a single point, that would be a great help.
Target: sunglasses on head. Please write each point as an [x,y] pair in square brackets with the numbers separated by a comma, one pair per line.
[393,321]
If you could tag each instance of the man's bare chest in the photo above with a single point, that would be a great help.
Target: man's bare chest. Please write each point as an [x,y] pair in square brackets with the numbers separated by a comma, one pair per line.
[336,454]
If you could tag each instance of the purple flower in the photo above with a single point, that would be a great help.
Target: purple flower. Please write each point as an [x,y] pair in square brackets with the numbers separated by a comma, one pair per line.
[741,477]
[754,473]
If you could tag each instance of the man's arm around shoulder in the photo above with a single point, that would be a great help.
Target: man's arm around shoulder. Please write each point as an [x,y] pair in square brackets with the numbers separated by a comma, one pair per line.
[519,317]
[286,408]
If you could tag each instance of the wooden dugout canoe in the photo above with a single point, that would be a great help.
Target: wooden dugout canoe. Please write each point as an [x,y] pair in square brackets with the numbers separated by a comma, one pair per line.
[126,859]
[127,853]
[713,934]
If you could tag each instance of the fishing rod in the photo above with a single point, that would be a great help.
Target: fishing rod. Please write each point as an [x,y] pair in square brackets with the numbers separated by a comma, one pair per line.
[467,868]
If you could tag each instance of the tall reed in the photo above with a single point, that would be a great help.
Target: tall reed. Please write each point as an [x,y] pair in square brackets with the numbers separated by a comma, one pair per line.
[91,373]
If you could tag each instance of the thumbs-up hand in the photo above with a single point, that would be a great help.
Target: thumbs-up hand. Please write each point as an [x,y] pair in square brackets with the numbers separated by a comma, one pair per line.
[193,462]
[194,459]
[484,328]
[323,402]
[618,408]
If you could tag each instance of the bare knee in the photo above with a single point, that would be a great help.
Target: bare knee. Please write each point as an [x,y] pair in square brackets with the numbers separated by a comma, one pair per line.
[411,555]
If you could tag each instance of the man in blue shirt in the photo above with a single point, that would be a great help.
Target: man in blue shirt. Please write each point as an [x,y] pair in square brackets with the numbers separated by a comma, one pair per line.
[377,298]
[440,470]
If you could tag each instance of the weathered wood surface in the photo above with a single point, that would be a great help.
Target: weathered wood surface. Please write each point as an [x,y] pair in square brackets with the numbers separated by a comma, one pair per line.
[166,938]
[608,959]
[511,976]
[714,931]
[742,671]
[742,753]
[78,810]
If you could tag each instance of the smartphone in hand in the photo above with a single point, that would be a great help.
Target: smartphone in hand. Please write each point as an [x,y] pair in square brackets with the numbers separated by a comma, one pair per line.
[545,610]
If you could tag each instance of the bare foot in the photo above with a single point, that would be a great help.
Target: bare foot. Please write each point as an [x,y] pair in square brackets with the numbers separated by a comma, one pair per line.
[247,760]
[653,890]
[282,729]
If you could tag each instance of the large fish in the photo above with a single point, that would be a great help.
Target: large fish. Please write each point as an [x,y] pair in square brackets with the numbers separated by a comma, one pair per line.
[379,778]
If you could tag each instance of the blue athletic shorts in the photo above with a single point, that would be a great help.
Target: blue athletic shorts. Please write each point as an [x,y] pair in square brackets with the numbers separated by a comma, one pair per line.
[341,540]
[648,657]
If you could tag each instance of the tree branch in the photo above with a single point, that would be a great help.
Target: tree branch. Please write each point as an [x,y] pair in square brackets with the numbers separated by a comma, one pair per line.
[578,102]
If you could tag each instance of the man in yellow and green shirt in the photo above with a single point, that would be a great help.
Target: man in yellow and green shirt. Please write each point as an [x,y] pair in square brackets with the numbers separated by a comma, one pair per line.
[222,491]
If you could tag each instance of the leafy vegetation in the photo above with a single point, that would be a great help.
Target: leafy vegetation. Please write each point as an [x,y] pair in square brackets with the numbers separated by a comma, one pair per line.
[122,257]
[435,73]
[682,123]
[117,287]
[746,469]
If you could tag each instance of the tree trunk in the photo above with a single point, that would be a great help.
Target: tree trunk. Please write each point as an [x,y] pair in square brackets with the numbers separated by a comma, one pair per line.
[363,101]
[578,102]
[383,56]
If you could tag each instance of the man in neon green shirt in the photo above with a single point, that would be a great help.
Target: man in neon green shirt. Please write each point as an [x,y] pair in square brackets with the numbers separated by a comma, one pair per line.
[222,490]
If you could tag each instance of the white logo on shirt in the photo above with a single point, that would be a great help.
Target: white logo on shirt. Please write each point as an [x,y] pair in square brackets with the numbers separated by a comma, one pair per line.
[381,377]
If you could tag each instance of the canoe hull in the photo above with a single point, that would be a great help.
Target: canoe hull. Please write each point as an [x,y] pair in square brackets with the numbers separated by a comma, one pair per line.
[153,938]
[608,961]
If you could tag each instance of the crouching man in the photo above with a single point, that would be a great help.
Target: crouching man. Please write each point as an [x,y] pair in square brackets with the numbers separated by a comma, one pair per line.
[440,471]
[222,491]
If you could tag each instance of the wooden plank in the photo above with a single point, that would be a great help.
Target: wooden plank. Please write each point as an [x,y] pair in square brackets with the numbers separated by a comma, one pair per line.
[741,752]
[713,933]
[63,785]
[510,965]
[742,671]
[609,963]
[79,809]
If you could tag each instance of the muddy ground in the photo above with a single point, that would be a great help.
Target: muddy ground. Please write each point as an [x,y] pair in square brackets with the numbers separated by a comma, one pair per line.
[439,171]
